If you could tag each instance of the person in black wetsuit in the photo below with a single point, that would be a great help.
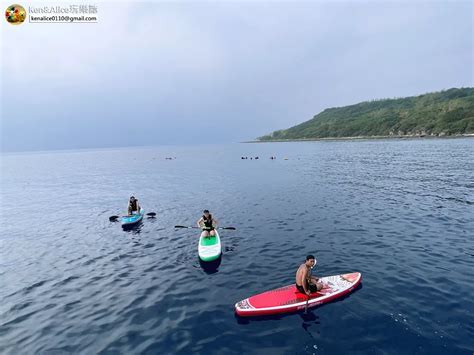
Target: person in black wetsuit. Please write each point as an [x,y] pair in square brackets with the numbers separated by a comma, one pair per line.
[305,282]
[207,223]
[133,206]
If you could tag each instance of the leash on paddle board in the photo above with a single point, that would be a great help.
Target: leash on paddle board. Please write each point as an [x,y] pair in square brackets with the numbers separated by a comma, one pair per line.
[115,218]
[228,228]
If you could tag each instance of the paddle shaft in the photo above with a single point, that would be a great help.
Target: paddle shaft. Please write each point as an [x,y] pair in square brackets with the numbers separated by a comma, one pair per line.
[229,228]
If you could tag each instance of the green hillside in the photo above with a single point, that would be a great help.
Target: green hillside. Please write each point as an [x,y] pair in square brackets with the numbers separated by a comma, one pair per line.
[441,113]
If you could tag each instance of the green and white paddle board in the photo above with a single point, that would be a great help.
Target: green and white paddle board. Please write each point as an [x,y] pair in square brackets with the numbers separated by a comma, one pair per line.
[209,248]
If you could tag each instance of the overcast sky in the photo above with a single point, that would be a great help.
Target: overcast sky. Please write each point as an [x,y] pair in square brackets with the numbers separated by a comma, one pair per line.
[190,72]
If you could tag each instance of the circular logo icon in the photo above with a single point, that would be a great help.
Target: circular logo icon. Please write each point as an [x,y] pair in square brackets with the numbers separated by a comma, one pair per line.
[15,14]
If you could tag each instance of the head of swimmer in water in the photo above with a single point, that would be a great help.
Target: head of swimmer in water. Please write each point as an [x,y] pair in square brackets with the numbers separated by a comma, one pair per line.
[310,261]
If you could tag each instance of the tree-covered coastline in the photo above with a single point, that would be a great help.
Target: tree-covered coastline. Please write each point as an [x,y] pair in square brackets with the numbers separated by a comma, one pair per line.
[444,113]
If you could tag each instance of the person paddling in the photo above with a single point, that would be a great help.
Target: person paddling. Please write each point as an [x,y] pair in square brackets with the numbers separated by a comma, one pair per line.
[133,206]
[208,224]
[305,282]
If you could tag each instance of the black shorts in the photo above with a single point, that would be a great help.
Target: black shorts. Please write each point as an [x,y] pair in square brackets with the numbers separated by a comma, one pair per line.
[312,288]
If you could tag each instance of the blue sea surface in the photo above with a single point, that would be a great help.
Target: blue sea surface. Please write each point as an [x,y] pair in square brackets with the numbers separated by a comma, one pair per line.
[398,211]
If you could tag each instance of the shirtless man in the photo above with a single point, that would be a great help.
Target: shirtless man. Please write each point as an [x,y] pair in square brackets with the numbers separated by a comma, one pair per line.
[305,282]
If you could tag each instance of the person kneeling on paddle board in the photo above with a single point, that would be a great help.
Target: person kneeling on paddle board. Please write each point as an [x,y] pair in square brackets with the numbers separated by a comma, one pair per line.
[133,206]
[305,282]
[208,224]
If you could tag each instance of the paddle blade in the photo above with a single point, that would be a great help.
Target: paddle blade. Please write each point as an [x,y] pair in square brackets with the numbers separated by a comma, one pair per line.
[230,228]
[113,218]
[180,227]
[151,214]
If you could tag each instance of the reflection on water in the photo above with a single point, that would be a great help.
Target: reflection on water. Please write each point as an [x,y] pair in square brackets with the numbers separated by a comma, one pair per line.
[210,267]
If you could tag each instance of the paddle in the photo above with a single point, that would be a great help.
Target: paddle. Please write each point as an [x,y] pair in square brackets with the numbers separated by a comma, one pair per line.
[229,228]
[114,218]
[306,306]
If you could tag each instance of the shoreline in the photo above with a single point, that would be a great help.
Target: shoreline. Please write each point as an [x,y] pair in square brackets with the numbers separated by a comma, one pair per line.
[469,135]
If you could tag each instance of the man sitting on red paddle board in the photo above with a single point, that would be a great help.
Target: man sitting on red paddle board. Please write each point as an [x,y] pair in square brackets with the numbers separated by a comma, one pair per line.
[305,282]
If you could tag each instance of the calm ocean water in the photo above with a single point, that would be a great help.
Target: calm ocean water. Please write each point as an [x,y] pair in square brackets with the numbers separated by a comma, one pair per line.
[399,211]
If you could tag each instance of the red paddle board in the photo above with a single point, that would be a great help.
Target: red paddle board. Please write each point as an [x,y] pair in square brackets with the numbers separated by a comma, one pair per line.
[289,299]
